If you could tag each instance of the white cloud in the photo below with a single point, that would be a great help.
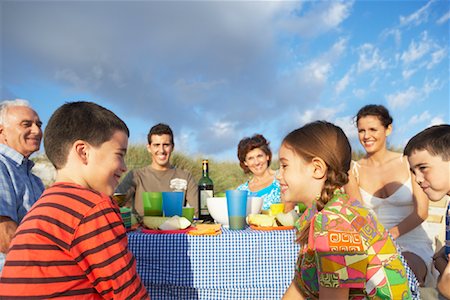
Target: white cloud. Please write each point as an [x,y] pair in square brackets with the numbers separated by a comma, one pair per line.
[319,113]
[213,70]
[313,76]
[342,84]
[370,59]
[430,86]
[322,17]
[408,73]
[395,32]
[418,17]
[347,123]
[436,57]
[417,50]
[359,93]
[444,18]
[437,121]
[404,98]
[412,95]
[419,118]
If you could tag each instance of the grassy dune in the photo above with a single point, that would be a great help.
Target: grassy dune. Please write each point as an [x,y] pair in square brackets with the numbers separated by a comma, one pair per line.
[225,174]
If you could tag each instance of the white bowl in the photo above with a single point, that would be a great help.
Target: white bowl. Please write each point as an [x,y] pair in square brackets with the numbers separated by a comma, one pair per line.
[217,207]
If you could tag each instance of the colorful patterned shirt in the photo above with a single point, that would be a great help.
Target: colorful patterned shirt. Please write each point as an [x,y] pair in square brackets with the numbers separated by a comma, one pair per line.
[348,248]
[270,193]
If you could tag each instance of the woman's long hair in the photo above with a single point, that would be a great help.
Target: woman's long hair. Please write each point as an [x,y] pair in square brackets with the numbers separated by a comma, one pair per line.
[328,142]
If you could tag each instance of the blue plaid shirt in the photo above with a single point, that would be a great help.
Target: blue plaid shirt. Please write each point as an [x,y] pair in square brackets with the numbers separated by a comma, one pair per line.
[19,188]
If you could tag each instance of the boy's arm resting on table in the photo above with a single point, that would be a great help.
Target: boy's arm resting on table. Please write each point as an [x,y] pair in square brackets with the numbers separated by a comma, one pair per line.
[417,217]
[100,248]
[7,230]
[292,293]
[444,282]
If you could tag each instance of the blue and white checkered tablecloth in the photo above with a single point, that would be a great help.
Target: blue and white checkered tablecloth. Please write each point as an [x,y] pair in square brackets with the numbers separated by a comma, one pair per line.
[238,264]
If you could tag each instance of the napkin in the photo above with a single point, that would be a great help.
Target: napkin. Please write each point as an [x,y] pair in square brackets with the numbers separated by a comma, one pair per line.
[206,229]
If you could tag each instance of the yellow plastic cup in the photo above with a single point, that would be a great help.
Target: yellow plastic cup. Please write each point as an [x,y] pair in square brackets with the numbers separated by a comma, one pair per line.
[276,208]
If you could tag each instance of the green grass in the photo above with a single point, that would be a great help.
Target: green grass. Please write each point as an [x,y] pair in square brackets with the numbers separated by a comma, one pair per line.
[225,174]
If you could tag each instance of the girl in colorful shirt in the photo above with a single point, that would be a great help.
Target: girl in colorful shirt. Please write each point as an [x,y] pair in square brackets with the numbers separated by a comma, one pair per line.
[345,252]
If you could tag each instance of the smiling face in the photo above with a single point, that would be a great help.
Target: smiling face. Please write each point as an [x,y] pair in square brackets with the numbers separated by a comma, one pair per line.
[106,163]
[372,133]
[432,173]
[21,130]
[296,178]
[257,161]
[160,149]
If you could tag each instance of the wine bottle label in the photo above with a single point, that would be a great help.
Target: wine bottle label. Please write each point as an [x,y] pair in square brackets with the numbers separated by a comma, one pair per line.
[204,194]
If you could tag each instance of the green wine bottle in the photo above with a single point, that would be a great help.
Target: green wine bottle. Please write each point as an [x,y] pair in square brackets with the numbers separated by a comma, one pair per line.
[205,191]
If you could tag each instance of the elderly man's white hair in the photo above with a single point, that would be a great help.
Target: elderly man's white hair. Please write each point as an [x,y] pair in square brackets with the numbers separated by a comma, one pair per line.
[5,105]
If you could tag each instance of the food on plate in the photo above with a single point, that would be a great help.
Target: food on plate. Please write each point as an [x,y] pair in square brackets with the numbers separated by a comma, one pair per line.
[154,222]
[261,220]
[287,219]
[175,223]
[281,219]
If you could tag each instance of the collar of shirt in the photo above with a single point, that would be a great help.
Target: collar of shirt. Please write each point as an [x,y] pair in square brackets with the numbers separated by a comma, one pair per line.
[15,156]
[307,216]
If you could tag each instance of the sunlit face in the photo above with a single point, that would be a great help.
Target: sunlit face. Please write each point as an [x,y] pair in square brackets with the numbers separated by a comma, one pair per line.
[257,161]
[106,163]
[432,174]
[295,176]
[21,130]
[160,149]
[372,133]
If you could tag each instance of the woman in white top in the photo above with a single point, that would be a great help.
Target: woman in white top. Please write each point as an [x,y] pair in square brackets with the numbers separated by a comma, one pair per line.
[382,179]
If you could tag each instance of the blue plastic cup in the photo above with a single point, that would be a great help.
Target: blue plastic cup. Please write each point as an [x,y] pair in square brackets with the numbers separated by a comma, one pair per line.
[237,208]
[172,203]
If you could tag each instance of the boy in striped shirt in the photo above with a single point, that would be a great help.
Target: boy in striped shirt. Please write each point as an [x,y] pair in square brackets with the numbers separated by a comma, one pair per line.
[72,242]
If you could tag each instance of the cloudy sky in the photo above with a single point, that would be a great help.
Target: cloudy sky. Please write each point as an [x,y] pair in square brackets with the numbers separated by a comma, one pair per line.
[218,71]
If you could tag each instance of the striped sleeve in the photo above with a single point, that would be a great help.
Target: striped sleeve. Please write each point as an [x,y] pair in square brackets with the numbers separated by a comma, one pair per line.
[71,244]
[100,248]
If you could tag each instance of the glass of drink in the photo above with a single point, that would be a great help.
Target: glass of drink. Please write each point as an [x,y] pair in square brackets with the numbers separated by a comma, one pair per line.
[172,203]
[188,213]
[152,203]
[237,208]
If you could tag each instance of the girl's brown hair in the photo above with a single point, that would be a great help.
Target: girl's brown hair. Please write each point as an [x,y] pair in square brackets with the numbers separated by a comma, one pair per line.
[328,142]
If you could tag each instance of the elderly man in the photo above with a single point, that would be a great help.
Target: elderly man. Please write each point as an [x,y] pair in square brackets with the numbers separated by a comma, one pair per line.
[20,136]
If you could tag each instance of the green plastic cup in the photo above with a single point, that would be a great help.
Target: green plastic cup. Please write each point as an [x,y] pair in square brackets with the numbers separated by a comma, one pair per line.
[152,203]
[188,213]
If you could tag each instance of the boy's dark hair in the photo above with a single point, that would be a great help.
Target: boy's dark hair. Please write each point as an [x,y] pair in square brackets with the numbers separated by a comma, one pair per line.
[378,111]
[160,129]
[80,120]
[435,139]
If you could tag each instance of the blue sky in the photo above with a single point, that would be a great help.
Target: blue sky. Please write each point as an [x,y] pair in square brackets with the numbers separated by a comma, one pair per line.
[219,71]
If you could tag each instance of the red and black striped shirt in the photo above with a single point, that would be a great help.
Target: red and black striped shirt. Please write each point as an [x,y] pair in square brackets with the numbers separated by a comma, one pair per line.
[72,243]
